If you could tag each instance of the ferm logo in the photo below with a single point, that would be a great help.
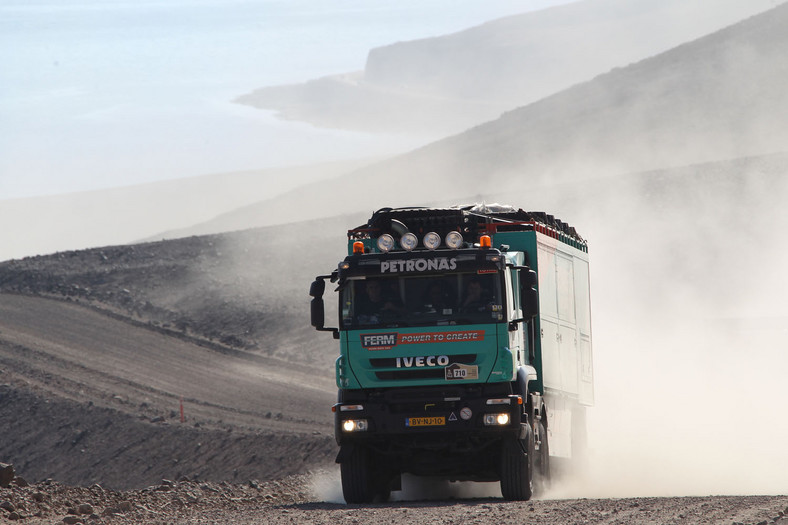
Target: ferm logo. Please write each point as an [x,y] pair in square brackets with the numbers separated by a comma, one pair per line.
[389,340]
[379,341]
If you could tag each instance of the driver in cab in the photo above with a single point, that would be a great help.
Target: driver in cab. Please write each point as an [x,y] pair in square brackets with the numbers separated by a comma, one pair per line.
[375,302]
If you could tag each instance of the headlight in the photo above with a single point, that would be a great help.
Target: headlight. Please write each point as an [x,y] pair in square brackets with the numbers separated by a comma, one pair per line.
[408,241]
[432,240]
[496,419]
[385,243]
[454,240]
[355,425]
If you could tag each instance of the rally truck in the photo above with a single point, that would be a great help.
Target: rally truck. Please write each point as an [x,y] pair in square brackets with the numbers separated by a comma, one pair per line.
[465,348]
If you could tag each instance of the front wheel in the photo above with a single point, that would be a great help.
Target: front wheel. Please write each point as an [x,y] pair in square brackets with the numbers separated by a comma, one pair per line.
[357,486]
[517,467]
[363,482]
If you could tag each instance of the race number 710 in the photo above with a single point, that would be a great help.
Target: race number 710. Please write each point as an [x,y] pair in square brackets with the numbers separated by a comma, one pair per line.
[457,371]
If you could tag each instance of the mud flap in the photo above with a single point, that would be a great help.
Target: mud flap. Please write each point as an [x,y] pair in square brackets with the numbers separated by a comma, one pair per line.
[524,431]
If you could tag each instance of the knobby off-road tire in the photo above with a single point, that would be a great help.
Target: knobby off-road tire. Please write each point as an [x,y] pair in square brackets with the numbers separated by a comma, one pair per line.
[541,461]
[517,467]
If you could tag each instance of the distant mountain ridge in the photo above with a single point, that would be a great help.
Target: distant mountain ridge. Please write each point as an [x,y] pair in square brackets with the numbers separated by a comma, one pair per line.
[451,82]
[715,99]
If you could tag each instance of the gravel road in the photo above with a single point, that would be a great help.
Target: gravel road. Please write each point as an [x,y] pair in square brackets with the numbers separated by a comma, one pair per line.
[294,500]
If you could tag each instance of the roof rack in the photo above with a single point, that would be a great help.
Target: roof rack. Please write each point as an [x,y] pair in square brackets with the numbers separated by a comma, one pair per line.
[472,219]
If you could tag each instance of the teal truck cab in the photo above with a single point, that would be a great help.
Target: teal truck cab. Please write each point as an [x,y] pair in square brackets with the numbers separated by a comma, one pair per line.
[465,348]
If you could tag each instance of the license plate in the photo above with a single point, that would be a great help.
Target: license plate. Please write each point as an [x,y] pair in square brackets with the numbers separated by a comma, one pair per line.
[425,421]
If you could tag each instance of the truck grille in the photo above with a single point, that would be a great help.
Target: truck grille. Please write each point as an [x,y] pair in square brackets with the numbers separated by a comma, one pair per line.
[414,373]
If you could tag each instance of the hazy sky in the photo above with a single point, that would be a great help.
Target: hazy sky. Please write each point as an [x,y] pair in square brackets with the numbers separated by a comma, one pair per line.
[97,93]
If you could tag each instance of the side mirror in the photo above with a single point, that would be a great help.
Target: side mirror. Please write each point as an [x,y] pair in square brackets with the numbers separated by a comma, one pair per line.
[318,288]
[317,308]
[318,313]
[529,296]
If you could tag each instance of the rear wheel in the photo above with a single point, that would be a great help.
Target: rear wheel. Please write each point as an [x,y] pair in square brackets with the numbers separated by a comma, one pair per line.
[517,467]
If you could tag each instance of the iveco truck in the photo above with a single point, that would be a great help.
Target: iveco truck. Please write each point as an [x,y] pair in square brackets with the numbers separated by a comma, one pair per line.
[464,348]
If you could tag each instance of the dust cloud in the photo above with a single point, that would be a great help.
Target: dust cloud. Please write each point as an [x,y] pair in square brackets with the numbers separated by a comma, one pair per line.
[690,335]
[686,410]
[326,485]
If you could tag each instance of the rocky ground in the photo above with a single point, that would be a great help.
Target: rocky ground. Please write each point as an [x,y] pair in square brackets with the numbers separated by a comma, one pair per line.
[297,499]
[182,500]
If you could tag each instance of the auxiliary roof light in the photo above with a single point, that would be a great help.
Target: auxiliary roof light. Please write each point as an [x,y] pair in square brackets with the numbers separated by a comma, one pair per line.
[408,241]
[385,243]
[485,241]
[432,240]
[454,240]
[358,248]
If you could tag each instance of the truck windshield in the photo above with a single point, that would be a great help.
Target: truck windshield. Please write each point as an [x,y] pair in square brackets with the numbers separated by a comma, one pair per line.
[434,300]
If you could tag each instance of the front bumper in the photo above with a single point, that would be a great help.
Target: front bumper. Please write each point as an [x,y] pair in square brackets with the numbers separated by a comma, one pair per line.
[382,421]
[445,437]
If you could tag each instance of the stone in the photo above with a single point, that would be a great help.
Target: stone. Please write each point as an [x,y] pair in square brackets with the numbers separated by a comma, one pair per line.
[19,481]
[6,474]
[85,508]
